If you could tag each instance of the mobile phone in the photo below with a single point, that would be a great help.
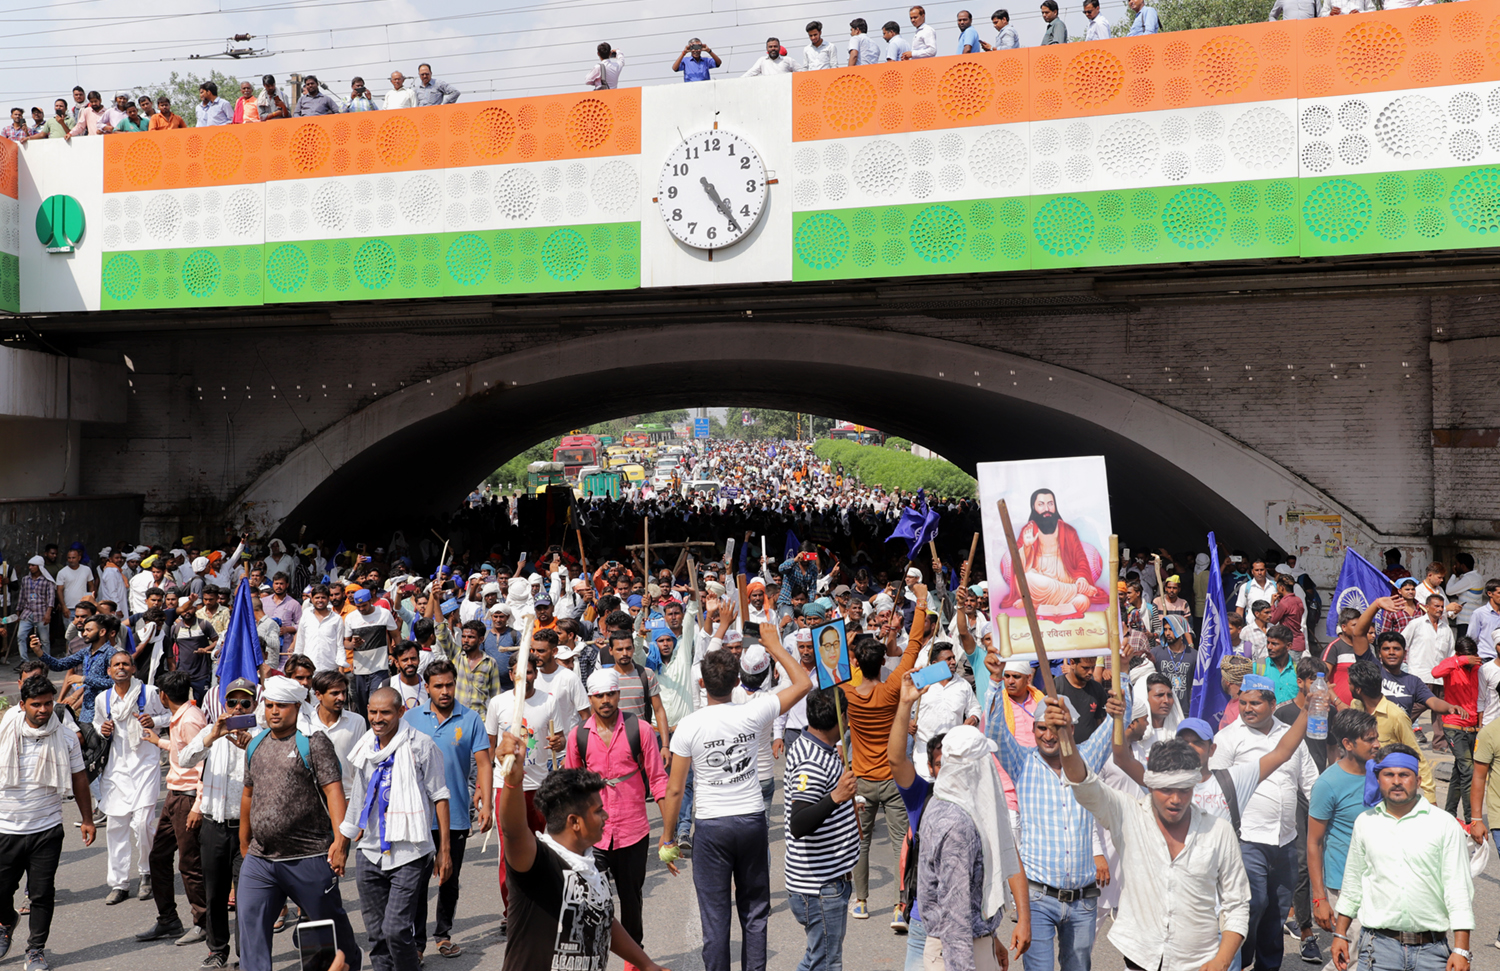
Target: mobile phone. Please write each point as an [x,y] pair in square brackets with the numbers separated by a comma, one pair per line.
[237,722]
[315,943]
[932,674]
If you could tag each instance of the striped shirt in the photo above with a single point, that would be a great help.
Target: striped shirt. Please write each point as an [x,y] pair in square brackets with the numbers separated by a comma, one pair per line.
[636,691]
[1057,834]
[830,851]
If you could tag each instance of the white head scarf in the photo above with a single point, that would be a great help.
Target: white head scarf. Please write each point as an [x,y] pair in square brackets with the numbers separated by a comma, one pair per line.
[518,598]
[603,681]
[284,691]
[970,780]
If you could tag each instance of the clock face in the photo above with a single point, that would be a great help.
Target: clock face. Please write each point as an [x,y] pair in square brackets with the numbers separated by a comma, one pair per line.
[712,189]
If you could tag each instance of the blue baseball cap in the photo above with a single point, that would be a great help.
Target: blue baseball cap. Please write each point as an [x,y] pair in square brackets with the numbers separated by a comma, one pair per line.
[449,606]
[1198,727]
[359,597]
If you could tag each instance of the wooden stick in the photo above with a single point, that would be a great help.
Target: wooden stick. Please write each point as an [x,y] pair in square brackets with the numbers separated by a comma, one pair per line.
[518,712]
[583,559]
[963,579]
[744,585]
[1018,569]
[670,546]
[1112,619]
[646,548]
[838,707]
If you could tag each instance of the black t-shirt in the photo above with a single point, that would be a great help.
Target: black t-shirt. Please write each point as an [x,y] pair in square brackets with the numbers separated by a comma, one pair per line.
[554,921]
[191,635]
[1089,701]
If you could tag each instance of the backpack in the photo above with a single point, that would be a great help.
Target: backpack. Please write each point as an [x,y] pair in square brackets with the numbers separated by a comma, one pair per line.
[1231,798]
[913,851]
[304,748]
[95,746]
[632,726]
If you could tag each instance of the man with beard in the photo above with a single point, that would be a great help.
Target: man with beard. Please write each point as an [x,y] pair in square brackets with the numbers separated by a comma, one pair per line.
[406,659]
[1056,562]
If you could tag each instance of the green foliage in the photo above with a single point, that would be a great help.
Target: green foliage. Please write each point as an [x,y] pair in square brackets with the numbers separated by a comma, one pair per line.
[899,444]
[891,469]
[183,90]
[1195,14]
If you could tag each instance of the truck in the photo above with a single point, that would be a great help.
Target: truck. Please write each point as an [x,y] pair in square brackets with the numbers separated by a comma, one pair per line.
[576,451]
[540,475]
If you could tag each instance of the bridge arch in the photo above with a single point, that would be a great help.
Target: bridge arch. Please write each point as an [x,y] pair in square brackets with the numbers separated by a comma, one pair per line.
[420,450]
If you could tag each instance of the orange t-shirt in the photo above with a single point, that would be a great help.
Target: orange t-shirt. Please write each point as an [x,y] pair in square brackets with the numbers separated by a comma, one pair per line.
[870,718]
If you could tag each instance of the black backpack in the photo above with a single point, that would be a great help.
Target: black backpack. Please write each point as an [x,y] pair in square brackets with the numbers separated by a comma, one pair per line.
[909,871]
[95,746]
[1231,798]
[632,726]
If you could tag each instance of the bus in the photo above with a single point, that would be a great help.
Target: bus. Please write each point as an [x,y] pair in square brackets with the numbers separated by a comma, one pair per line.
[576,451]
[651,432]
[857,433]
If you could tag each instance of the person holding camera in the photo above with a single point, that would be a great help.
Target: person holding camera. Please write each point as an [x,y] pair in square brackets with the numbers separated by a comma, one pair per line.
[692,62]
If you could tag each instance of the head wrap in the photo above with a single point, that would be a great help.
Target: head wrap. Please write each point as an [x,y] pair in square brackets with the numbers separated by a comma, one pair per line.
[1200,563]
[914,573]
[1257,682]
[1234,667]
[884,602]
[200,564]
[714,587]
[1177,626]
[1178,779]
[1019,667]
[488,589]
[284,691]
[970,780]
[754,660]
[603,681]
[1395,760]
[755,583]
[37,561]
[815,610]
[1283,569]
[634,600]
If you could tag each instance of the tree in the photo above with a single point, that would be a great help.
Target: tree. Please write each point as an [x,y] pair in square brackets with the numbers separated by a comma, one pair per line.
[183,90]
[1178,15]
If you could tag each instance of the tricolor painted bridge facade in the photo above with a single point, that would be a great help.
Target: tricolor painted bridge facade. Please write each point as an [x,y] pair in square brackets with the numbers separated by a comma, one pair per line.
[1252,266]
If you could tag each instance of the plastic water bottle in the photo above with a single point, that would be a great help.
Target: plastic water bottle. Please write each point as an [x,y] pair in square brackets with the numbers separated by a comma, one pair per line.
[1317,709]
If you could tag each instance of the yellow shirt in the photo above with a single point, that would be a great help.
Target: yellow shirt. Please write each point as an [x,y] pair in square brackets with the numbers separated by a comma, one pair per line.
[1395,726]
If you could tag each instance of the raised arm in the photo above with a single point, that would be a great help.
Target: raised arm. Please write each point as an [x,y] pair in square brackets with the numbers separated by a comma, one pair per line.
[902,769]
[1285,748]
[520,841]
[801,683]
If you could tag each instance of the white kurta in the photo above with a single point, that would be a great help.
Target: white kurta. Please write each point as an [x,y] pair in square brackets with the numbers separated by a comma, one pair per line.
[132,777]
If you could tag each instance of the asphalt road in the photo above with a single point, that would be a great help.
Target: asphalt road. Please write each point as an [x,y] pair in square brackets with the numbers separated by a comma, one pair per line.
[88,936]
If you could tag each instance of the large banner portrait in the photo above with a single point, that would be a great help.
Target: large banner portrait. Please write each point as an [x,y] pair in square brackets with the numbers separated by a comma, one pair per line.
[831,652]
[1059,509]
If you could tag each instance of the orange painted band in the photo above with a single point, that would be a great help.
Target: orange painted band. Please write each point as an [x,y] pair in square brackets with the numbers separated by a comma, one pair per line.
[487,132]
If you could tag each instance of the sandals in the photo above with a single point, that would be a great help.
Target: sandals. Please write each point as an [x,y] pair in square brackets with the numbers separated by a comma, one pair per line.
[448,949]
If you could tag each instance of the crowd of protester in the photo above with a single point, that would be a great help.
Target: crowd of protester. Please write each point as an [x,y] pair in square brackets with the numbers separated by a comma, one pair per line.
[552,667]
[85,113]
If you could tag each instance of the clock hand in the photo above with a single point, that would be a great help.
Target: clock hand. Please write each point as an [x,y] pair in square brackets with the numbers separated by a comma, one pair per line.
[719,204]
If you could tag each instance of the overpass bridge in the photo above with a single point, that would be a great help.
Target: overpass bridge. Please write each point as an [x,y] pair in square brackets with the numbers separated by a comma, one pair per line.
[1254,266]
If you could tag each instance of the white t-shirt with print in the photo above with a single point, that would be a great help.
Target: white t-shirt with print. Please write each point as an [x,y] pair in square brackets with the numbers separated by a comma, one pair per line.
[724,743]
[539,712]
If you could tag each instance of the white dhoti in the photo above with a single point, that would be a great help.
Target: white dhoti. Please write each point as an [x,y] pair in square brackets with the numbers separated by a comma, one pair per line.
[119,831]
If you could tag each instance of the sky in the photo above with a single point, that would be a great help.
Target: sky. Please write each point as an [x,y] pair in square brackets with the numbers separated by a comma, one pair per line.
[514,49]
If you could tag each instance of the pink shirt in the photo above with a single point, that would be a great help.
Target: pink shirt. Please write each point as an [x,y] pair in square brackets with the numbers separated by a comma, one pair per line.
[186,724]
[1024,721]
[625,799]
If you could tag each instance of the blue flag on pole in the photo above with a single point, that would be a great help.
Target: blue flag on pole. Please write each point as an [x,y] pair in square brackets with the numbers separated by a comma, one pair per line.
[1209,700]
[793,546]
[1359,585]
[242,654]
[917,525]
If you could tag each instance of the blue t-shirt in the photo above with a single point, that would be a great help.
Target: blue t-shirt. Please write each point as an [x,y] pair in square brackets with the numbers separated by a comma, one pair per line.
[460,739]
[696,70]
[1338,797]
[1403,689]
[970,37]
[915,799]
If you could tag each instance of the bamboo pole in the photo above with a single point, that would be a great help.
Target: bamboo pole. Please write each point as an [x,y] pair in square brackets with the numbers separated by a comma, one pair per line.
[1019,571]
[1112,619]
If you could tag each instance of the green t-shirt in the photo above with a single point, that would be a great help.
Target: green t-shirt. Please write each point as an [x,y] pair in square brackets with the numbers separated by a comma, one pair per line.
[1338,797]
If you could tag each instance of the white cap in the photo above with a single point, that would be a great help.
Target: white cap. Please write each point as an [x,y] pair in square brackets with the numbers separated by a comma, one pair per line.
[200,564]
[733,637]
[501,608]
[914,573]
[603,681]
[754,660]
[36,561]
[566,653]
[803,635]
[1018,667]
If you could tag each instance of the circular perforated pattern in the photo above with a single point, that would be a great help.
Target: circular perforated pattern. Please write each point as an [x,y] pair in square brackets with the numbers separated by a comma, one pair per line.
[112,208]
[1243,231]
[863,253]
[1411,127]
[893,251]
[1316,119]
[1425,67]
[1424,30]
[920,185]
[1175,166]
[1391,223]
[551,209]
[1045,141]
[1209,159]
[517,194]
[951,145]
[836,186]
[1262,138]
[1064,226]
[1013,246]
[1110,206]
[1194,218]
[1209,126]
[286,268]
[615,187]
[836,156]
[998,158]
[924,115]
[892,222]
[142,161]
[468,260]
[890,83]
[1176,129]
[1280,231]
[1464,107]
[456,216]
[1354,149]
[806,193]
[396,141]
[1140,57]
[331,205]
[849,103]
[1048,67]
[111,237]
[864,222]
[492,132]
[920,152]
[1079,168]
[879,168]
[1429,187]
[965,91]
[1224,65]
[1391,189]
[1045,176]
[822,240]
[122,276]
[1177,56]
[1317,156]
[420,198]
[1243,197]
[200,273]
[1370,51]
[162,217]
[1476,201]
[1279,195]
[937,234]
[1093,78]
[374,264]
[806,160]
[222,156]
[1354,115]
[1111,238]
[1337,211]
[458,186]
[1429,222]
[981,215]
[1465,144]
[1128,149]
[1468,65]
[309,148]
[589,124]
[1144,237]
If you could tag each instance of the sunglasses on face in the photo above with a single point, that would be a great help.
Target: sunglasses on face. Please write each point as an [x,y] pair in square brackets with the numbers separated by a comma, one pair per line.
[239,703]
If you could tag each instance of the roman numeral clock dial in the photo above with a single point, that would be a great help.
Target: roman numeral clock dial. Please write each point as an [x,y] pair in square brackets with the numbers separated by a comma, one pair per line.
[712,189]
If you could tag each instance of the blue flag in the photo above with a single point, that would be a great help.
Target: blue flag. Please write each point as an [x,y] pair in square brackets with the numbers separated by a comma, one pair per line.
[1209,700]
[793,546]
[917,525]
[242,654]
[1359,585]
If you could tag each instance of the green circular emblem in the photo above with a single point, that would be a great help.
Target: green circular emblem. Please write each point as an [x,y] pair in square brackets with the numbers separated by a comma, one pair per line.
[59,223]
